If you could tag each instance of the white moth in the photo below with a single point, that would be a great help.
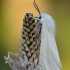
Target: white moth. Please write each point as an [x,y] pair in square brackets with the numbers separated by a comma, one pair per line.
[49,57]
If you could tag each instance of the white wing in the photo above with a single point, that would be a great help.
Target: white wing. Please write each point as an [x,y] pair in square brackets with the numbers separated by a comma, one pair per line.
[49,57]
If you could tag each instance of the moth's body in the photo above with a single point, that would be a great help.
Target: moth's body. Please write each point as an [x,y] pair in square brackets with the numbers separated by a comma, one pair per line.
[49,57]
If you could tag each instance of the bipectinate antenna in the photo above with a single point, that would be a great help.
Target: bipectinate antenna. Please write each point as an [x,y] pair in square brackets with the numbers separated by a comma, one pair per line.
[35,5]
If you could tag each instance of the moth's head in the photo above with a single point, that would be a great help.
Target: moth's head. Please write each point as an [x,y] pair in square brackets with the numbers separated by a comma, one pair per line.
[42,18]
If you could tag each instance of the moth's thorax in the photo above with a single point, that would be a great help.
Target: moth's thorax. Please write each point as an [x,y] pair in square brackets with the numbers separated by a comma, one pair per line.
[48,21]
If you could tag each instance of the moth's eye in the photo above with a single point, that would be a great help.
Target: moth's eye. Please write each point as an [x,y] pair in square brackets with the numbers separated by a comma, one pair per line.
[40,17]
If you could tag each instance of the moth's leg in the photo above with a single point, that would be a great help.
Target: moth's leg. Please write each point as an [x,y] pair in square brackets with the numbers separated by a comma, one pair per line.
[39,36]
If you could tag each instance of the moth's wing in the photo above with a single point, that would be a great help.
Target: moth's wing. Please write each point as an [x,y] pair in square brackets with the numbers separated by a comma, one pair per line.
[53,53]
[49,57]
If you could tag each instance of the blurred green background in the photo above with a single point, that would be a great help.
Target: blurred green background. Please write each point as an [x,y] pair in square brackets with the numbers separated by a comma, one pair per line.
[11,19]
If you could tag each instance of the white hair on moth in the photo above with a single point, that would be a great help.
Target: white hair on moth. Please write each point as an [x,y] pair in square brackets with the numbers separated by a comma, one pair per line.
[48,21]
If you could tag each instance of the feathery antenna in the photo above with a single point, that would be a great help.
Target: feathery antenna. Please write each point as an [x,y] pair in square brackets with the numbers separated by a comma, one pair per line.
[35,5]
